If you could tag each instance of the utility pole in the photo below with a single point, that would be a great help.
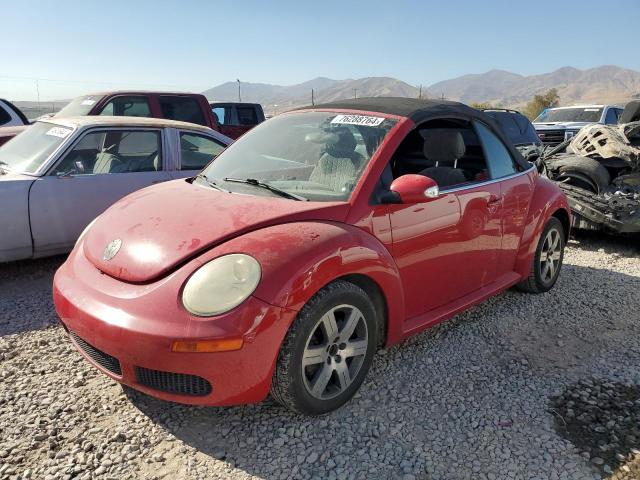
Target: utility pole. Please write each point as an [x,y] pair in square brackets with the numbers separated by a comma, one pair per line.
[355,93]
[38,93]
[239,96]
[312,99]
[420,92]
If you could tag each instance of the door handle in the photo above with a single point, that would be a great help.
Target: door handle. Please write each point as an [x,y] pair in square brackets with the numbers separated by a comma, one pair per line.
[156,181]
[494,199]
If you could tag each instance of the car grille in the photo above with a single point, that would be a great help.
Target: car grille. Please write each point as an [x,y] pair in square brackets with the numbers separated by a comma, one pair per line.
[179,383]
[105,360]
[551,137]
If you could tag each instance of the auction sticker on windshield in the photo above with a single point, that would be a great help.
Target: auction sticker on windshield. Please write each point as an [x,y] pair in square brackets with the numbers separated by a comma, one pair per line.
[358,120]
[59,132]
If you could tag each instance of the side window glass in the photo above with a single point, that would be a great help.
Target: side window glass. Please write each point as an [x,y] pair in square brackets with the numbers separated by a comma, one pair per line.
[612,117]
[219,112]
[498,157]
[131,106]
[4,116]
[185,109]
[247,116]
[113,151]
[196,151]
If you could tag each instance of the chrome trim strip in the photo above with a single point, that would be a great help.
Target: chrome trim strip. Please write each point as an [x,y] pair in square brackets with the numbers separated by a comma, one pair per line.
[488,182]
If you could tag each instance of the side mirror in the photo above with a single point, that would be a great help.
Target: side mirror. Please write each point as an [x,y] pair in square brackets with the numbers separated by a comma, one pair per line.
[414,189]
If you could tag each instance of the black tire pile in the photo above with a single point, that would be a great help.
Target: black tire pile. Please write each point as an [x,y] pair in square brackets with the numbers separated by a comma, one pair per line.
[602,419]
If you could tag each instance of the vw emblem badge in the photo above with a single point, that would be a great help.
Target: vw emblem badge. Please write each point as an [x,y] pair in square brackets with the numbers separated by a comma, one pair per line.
[111,249]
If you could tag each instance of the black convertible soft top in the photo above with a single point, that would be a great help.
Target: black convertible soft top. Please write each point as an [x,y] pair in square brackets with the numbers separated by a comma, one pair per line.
[420,111]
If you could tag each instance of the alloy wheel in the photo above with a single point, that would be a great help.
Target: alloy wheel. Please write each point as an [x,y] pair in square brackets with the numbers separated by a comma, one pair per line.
[334,352]
[550,255]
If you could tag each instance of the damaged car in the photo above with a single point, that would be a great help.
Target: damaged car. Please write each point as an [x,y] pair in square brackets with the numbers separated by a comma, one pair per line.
[599,171]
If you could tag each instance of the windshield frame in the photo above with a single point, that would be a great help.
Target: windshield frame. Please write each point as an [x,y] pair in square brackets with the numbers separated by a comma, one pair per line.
[400,122]
[47,162]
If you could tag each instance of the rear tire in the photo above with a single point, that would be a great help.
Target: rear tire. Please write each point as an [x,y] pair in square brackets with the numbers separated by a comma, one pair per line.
[547,261]
[327,352]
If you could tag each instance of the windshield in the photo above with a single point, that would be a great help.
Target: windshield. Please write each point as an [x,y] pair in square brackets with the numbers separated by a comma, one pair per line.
[316,155]
[30,149]
[570,115]
[79,106]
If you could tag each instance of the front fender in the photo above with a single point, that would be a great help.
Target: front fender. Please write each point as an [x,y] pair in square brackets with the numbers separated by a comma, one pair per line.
[300,258]
[547,199]
[15,241]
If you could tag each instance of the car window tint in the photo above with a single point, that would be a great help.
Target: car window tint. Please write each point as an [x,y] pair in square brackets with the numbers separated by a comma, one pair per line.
[185,109]
[113,151]
[612,117]
[4,115]
[498,157]
[129,106]
[247,116]
[196,151]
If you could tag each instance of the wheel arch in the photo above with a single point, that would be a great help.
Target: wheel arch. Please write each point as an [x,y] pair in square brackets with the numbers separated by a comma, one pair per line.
[547,201]
[377,297]
[562,215]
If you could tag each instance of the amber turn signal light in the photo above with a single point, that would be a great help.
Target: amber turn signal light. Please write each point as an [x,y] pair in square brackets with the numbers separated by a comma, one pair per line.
[207,346]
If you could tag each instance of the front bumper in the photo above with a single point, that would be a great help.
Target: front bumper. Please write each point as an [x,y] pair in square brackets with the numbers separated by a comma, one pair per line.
[127,330]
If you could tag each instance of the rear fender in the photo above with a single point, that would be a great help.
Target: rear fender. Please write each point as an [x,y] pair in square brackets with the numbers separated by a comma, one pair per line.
[547,199]
[300,258]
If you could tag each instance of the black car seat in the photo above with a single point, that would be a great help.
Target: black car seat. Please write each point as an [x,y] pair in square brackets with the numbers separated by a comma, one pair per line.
[339,165]
[443,147]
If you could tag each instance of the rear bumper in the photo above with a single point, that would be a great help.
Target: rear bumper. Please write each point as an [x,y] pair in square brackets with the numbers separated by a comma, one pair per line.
[126,331]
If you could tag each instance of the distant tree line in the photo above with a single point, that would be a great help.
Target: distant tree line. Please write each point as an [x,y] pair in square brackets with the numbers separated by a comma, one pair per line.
[539,103]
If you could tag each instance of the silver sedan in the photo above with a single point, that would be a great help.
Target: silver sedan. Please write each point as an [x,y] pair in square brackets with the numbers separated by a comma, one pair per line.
[59,174]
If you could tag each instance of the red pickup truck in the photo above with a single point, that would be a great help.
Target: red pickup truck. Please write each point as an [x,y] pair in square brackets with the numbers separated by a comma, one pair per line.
[187,107]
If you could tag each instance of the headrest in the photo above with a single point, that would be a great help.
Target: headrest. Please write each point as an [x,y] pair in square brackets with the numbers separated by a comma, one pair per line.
[342,143]
[444,145]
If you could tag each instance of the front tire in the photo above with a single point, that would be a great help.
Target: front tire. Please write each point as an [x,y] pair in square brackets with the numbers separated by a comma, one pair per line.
[547,260]
[328,350]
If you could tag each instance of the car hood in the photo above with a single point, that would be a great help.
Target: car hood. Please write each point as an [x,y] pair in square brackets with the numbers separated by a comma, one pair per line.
[9,176]
[160,227]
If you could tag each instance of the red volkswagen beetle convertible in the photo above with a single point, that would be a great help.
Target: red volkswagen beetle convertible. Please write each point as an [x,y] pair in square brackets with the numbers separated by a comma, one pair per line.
[318,237]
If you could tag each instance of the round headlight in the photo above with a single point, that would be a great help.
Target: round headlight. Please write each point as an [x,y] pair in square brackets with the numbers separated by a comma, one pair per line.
[221,284]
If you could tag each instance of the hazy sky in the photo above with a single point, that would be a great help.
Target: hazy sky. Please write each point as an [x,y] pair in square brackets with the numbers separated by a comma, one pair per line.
[75,47]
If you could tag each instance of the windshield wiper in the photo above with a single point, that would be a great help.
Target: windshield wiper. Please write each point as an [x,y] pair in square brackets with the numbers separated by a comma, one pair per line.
[211,183]
[266,186]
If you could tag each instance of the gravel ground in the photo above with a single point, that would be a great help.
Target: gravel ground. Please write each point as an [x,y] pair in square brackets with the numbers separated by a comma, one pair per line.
[521,387]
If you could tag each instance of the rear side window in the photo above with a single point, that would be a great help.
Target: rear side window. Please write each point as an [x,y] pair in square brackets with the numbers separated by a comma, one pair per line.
[130,106]
[4,115]
[196,151]
[185,109]
[247,116]
[223,115]
[498,157]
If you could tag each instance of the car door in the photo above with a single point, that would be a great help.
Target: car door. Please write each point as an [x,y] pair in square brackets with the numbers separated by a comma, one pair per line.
[447,248]
[195,151]
[516,189]
[101,167]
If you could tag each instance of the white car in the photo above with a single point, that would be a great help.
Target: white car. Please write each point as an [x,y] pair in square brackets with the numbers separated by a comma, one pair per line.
[555,125]
[59,174]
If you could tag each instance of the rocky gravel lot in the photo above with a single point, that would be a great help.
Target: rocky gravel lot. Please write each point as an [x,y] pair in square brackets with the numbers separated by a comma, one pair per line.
[521,387]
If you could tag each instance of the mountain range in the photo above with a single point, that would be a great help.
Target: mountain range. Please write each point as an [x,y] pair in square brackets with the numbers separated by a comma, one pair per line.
[605,84]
